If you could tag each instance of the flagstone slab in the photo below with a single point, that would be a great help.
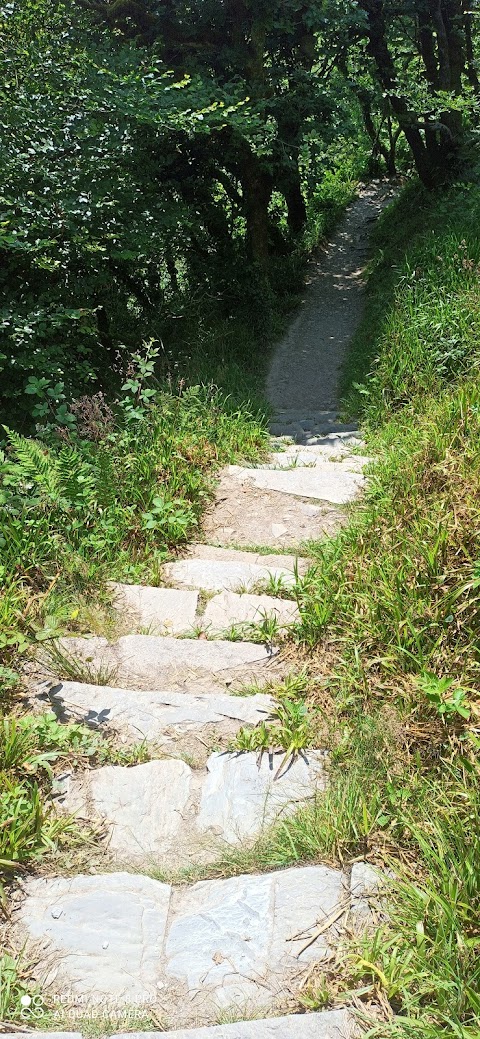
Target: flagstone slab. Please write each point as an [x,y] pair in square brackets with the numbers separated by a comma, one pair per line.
[309,429]
[150,662]
[328,1024]
[316,457]
[234,555]
[240,796]
[215,575]
[230,609]
[40,1035]
[159,717]
[164,812]
[165,611]
[239,939]
[144,806]
[126,939]
[103,932]
[332,481]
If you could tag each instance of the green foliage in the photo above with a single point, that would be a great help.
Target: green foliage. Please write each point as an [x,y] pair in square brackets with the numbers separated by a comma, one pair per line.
[31,748]
[425,960]
[395,596]
[129,194]
[140,481]
[289,727]
[15,985]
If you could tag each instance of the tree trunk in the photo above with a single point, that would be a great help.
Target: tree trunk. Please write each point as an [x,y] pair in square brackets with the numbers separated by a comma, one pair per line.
[297,210]
[257,191]
[407,120]
[469,53]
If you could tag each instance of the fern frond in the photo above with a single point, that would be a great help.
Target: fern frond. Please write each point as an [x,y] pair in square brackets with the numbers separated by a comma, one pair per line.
[76,478]
[36,463]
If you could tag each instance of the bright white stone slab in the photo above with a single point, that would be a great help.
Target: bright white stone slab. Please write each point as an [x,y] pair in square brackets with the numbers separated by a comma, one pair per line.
[331,482]
[330,1024]
[164,611]
[216,575]
[138,715]
[150,661]
[240,797]
[229,608]
[105,932]
[145,806]
[42,1035]
[238,555]
[234,936]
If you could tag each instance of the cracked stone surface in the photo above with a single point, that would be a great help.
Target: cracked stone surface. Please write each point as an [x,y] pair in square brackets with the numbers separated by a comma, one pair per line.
[239,797]
[150,662]
[165,611]
[228,608]
[103,932]
[165,813]
[43,1035]
[125,937]
[237,937]
[329,1024]
[160,718]
[331,481]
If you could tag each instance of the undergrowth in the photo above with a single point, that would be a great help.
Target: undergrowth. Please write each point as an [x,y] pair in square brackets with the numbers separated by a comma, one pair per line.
[393,601]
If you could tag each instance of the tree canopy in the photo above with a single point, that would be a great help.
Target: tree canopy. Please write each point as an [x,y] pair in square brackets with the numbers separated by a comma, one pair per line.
[159,158]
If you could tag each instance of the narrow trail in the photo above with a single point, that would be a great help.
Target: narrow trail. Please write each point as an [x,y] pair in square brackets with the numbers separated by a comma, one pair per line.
[303,382]
[114,938]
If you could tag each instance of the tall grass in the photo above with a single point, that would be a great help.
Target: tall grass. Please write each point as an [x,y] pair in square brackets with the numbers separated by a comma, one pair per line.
[394,601]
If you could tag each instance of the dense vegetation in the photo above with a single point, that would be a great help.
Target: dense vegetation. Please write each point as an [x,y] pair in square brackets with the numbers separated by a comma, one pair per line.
[395,599]
[166,168]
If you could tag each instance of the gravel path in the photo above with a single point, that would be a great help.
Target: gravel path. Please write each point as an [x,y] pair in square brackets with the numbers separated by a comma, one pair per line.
[305,370]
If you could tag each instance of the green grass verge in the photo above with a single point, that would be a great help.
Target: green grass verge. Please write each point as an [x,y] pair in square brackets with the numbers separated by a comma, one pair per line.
[394,602]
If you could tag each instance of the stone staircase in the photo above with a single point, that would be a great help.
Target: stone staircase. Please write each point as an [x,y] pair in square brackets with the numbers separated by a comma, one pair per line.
[185,680]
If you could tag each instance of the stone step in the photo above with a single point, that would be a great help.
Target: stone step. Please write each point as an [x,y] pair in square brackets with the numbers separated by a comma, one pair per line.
[154,661]
[331,444]
[167,611]
[228,609]
[243,943]
[349,438]
[233,555]
[164,813]
[184,722]
[221,569]
[326,1024]
[329,481]
[294,456]
[242,514]
[306,428]
[164,611]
